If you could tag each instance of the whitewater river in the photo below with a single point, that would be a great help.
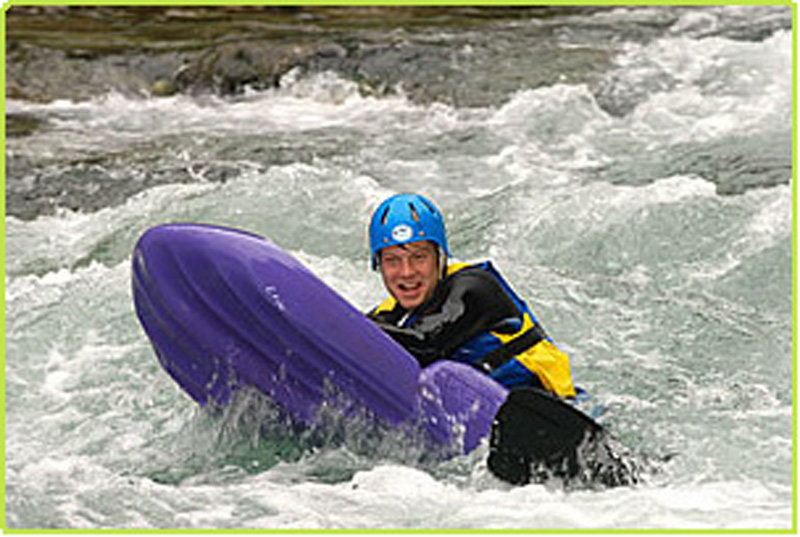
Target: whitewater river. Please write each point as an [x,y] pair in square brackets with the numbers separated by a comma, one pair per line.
[646,214]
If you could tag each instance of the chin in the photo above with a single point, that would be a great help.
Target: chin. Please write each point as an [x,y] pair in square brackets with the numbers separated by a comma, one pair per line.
[409,304]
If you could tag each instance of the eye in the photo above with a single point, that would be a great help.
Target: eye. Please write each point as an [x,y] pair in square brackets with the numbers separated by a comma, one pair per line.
[420,256]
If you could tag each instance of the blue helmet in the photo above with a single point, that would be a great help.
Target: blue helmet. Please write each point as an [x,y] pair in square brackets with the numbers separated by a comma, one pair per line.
[405,218]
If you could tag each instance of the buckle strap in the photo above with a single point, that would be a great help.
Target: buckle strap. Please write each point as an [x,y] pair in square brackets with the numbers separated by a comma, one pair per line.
[498,357]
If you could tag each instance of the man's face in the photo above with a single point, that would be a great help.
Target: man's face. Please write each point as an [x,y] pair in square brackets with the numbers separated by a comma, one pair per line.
[410,272]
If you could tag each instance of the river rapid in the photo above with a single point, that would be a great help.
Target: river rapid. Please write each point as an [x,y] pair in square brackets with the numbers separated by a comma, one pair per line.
[644,208]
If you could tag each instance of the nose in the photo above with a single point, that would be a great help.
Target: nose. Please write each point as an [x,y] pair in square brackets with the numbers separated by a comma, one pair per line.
[406,267]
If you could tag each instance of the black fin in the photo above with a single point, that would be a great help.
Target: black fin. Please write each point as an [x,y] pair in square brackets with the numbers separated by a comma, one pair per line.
[535,436]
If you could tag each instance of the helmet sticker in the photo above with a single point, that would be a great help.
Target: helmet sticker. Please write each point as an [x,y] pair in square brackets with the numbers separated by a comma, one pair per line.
[402,232]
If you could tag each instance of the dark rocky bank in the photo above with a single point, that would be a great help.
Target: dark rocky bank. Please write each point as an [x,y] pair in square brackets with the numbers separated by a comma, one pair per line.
[79,52]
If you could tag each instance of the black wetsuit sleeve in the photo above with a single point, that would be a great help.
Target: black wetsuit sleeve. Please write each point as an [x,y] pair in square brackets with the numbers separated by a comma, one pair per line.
[464,304]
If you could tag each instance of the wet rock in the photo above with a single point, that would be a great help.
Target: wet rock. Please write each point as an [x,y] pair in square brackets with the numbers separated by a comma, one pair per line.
[39,74]
[22,124]
[229,69]
[419,69]
[620,91]
[80,52]
[163,87]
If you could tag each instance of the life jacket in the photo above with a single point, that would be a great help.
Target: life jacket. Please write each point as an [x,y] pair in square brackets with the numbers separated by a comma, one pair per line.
[514,355]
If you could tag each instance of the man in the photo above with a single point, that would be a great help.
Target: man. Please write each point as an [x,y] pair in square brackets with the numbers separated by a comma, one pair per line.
[464,312]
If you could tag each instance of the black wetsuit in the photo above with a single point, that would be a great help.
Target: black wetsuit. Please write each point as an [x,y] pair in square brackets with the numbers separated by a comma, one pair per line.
[475,317]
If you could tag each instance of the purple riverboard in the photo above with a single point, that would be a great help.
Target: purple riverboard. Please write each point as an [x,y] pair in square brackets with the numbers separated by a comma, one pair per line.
[226,309]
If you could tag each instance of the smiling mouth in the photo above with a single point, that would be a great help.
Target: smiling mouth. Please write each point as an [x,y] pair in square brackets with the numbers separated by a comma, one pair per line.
[409,287]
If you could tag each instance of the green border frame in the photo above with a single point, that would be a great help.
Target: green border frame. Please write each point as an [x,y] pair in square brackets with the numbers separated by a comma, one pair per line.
[7,4]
